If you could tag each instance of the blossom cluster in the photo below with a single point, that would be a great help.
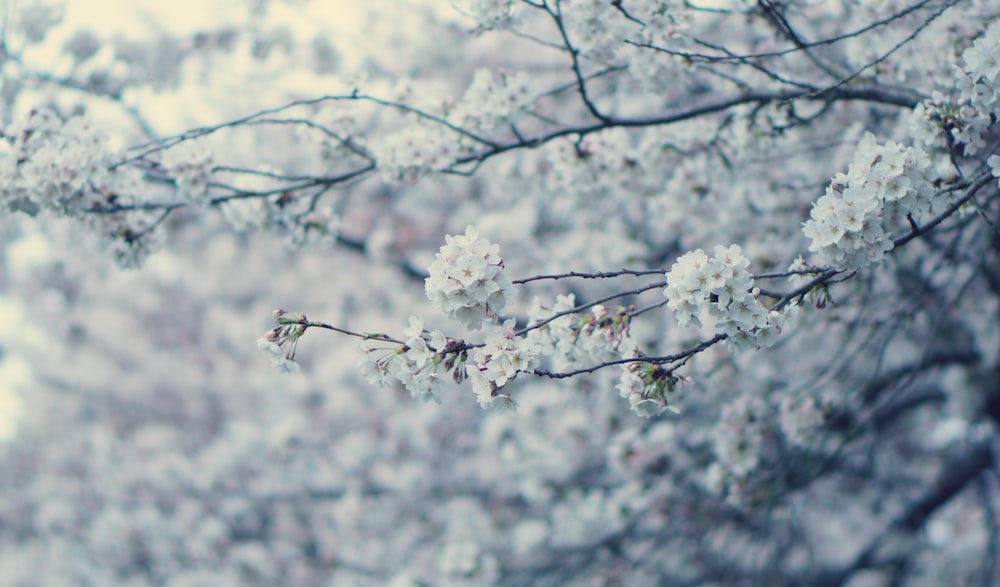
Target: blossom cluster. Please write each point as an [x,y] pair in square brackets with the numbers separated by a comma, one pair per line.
[646,386]
[467,279]
[190,164]
[242,214]
[977,87]
[599,29]
[722,286]
[930,119]
[467,282]
[596,163]
[415,151]
[601,336]
[424,144]
[666,26]
[428,359]
[491,14]
[48,162]
[572,338]
[847,225]
[940,122]
[63,167]
[281,341]
[416,364]
[491,102]
[503,355]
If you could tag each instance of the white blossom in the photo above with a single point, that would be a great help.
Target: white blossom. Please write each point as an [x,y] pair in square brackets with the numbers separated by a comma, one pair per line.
[847,226]
[723,288]
[467,279]
[280,342]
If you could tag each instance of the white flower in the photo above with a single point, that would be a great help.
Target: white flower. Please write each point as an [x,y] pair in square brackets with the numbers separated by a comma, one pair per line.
[281,341]
[721,286]
[847,225]
[994,162]
[416,327]
[467,279]
[983,58]
[423,382]
[375,368]
[418,352]
[438,341]
[686,283]
[647,408]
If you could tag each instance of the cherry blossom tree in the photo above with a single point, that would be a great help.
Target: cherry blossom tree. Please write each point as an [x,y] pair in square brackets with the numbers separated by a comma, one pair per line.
[572,292]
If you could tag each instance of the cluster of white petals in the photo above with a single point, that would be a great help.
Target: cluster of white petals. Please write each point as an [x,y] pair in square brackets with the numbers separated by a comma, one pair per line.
[722,286]
[503,355]
[428,359]
[467,279]
[930,118]
[646,387]
[414,151]
[573,339]
[420,364]
[993,162]
[190,164]
[280,342]
[422,146]
[417,366]
[491,101]
[599,29]
[978,93]
[491,14]
[47,163]
[941,122]
[463,562]
[847,225]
